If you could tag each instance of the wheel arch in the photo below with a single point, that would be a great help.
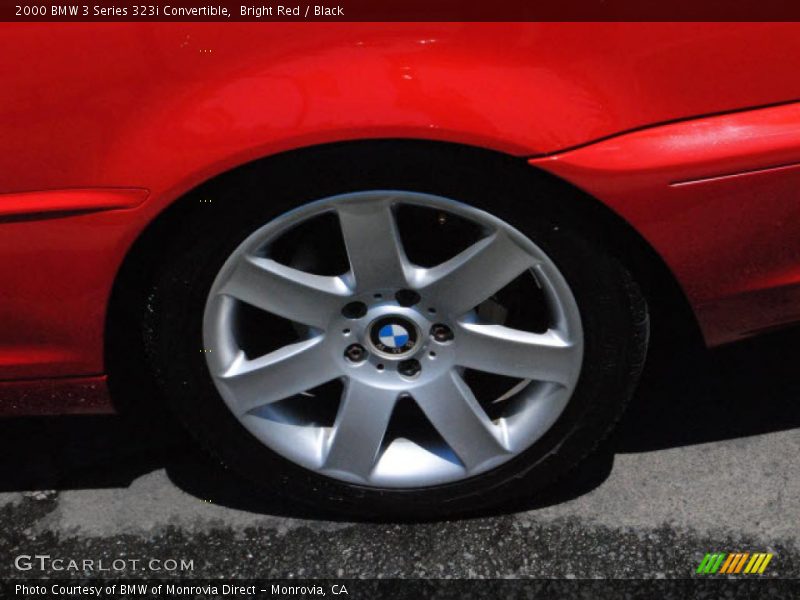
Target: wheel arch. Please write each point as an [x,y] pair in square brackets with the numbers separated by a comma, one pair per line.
[124,341]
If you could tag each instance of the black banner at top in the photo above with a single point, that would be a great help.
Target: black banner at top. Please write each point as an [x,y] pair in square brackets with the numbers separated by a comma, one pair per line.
[397,10]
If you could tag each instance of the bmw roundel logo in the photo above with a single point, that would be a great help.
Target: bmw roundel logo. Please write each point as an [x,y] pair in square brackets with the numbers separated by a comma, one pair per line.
[393,335]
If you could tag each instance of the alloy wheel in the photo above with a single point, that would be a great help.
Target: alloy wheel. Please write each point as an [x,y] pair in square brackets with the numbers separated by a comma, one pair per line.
[427,375]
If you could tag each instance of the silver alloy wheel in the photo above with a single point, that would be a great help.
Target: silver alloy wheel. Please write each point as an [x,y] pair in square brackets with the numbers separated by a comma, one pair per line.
[355,330]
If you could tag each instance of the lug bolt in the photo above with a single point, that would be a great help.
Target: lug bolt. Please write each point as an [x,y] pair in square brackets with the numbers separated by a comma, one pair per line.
[441,333]
[409,367]
[355,353]
[407,297]
[354,310]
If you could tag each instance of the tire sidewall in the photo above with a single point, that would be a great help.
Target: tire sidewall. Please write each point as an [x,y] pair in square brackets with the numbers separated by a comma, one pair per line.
[608,302]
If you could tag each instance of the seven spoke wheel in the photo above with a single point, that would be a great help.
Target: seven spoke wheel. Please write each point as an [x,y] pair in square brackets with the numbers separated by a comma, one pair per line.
[416,330]
[400,352]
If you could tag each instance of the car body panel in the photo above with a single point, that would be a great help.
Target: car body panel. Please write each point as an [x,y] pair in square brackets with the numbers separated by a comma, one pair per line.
[718,200]
[166,105]
[57,270]
[53,203]
[163,107]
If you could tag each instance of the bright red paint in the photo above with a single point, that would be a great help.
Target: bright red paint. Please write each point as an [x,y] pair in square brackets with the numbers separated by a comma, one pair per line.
[718,199]
[63,202]
[163,107]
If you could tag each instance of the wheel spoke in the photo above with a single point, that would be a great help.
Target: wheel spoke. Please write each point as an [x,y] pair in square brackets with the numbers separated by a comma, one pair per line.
[514,353]
[449,436]
[280,374]
[359,429]
[470,277]
[286,292]
[453,410]
[373,244]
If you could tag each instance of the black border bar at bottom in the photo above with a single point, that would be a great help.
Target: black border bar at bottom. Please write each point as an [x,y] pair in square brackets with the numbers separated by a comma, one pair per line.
[406,589]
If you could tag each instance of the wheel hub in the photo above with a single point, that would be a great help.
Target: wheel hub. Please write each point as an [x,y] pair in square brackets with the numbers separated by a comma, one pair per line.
[393,337]
[400,350]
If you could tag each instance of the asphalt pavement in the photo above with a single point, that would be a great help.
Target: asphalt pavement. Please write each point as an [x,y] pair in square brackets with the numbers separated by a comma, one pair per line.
[705,460]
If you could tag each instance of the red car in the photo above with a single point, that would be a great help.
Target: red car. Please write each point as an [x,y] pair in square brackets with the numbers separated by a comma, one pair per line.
[389,269]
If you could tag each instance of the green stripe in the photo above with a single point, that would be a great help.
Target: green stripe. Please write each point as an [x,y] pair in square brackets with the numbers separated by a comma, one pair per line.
[711,560]
[718,564]
[703,563]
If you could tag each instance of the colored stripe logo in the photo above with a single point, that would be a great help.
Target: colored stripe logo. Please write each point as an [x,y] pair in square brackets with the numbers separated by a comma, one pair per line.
[734,563]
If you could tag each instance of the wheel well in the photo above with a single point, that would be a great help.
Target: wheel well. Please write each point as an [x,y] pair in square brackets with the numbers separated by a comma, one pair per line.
[417,163]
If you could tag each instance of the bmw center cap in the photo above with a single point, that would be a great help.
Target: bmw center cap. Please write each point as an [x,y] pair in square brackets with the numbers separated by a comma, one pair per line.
[393,335]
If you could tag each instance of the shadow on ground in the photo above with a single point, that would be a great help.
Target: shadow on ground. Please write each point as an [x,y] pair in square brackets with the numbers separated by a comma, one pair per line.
[686,397]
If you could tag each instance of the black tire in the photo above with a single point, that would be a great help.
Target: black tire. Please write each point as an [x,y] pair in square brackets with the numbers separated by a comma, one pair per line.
[613,312]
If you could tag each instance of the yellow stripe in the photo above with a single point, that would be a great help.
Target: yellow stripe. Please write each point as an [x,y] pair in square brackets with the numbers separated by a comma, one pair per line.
[765,563]
[754,560]
[728,561]
[750,564]
[740,564]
